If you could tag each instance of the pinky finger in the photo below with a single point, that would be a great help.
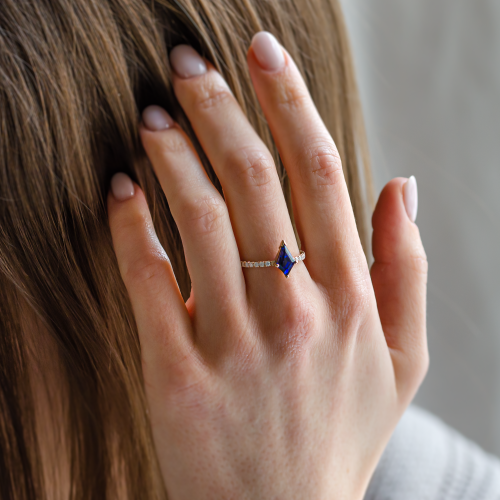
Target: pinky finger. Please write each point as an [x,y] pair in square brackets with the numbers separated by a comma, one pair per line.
[162,318]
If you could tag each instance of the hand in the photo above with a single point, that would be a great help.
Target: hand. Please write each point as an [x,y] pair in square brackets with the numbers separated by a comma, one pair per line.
[259,386]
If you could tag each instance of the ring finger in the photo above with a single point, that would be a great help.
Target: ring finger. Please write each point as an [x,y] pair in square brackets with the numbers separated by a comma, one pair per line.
[324,215]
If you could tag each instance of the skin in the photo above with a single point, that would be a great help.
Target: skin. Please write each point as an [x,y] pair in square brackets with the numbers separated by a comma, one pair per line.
[260,386]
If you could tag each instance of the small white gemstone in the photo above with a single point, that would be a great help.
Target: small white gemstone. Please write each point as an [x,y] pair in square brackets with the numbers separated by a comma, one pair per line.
[261,264]
[268,263]
[251,264]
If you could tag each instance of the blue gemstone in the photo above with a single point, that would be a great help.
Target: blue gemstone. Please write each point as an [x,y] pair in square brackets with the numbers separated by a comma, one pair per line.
[285,260]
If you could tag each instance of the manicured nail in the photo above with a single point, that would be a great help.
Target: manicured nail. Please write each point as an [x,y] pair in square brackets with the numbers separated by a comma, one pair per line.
[122,186]
[187,62]
[268,51]
[156,118]
[410,197]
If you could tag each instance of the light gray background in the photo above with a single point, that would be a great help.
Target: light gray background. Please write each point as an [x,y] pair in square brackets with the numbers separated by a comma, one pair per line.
[429,75]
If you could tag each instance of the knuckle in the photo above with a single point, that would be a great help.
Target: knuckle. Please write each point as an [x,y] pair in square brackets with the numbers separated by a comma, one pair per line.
[182,375]
[242,356]
[131,223]
[254,167]
[146,269]
[360,288]
[205,215]
[143,264]
[356,305]
[297,327]
[290,94]
[211,92]
[322,166]
[356,278]
[419,264]
[173,143]
[355,292]
[188,386]
[358,301]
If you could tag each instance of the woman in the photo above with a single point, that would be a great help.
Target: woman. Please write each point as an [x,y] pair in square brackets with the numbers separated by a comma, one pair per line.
[146,352]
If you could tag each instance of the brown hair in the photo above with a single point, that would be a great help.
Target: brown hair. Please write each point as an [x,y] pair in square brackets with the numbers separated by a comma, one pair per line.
[74,77]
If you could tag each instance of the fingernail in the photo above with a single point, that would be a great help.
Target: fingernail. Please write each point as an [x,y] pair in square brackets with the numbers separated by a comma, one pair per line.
[122,186]
[268,51]
[410,198]
[156,118]
[187,62]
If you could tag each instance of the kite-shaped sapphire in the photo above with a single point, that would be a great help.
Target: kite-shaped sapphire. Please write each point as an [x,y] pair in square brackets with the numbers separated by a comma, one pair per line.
[284,260]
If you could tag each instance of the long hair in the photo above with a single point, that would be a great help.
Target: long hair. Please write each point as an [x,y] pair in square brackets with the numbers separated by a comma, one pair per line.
[74,78]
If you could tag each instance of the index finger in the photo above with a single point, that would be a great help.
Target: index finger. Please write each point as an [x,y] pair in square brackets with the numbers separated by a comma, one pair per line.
[322,207]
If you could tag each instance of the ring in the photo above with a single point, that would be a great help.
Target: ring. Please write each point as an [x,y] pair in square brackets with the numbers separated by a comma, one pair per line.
[284,260]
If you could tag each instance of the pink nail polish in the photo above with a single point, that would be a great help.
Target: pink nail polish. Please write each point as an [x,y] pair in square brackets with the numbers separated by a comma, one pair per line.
[268,51]
[410,198]
[122,187]
[187,62]
[156,118]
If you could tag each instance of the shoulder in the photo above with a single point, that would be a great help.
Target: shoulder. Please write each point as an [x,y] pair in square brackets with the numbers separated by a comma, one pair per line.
[426,459]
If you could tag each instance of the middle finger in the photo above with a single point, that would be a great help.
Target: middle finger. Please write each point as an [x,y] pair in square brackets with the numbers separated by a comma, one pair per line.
[240,159]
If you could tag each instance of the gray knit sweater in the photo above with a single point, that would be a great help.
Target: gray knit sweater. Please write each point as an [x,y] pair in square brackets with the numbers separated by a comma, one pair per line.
[427,460]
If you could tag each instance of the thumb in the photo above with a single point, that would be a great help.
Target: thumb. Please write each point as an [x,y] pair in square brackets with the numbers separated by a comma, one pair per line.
[399,277]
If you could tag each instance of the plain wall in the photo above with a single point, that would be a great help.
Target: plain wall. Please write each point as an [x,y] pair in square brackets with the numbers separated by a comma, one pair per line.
[429,75]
